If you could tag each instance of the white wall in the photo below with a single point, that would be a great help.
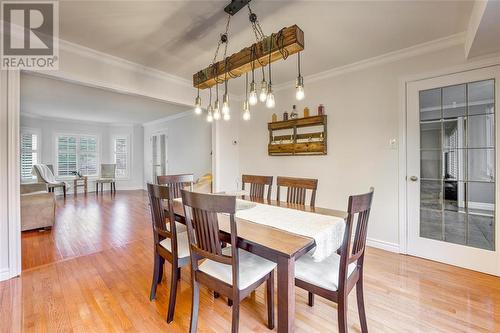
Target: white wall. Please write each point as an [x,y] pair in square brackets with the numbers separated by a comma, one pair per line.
[51,127]
[189,145]
[363,108]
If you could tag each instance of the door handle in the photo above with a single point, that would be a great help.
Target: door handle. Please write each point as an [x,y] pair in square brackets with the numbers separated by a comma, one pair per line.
[413,178]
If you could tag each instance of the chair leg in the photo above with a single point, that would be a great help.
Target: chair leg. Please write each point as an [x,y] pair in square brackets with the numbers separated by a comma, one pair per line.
[342,313]
[96,188]
[229,302]
[216,294]
[236,317]
[270,300]
[361,305]
[156,276]
[178,274]
[64,190]
[310,301]
[173,294]
[195,304]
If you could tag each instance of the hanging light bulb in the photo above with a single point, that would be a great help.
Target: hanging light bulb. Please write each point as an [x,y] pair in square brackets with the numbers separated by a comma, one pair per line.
[246,111]
[197,103]
[299,86]
[217,103]
[225,104]
[252,98]
[210,117]
[270,102]
[226,116]
[263,90]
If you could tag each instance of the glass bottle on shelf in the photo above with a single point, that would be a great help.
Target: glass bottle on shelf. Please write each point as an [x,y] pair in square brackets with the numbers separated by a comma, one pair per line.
[306,112]
[274,118]
[294,114]
[285,115]
[321,110]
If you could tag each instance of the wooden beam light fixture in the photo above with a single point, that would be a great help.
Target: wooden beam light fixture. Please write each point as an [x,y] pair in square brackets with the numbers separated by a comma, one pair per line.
[265,50]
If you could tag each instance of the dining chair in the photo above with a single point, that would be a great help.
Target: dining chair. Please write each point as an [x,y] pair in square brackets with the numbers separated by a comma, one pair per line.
[258,185]
[175,184]
[45,174]
[108,176]
[230,271]
[169,243]
[296,189]
[335,277]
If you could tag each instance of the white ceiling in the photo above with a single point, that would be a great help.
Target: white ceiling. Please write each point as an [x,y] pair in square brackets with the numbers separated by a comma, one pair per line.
[47,97]
[179,37]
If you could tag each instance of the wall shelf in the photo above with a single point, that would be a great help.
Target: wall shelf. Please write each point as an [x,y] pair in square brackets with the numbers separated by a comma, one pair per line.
[290,142]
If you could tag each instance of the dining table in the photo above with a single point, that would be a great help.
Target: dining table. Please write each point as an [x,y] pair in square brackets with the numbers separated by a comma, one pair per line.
[273,243]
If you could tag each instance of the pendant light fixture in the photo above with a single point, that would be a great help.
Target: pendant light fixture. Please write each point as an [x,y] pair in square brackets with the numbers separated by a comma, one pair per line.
[246,107]
[270,103]
[252,99]
[299,87]
[197,103]
[210,116]
[217,103]
[278,46]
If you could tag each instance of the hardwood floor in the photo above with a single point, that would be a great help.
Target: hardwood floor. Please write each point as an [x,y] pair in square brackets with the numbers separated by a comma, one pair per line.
[93,271]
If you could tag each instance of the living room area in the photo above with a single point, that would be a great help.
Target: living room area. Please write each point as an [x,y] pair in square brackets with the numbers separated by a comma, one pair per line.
[85,156]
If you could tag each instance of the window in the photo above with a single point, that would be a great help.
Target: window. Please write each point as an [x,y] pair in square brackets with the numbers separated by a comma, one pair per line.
[30,145]
[77,153]
[121,152]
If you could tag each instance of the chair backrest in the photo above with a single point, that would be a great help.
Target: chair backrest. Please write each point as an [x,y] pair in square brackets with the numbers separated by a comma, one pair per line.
[201,212]
[258,185]
[176,183]
[108,170]
[158,196]
[358,211]
[44,173]
[297,188]
[51,168]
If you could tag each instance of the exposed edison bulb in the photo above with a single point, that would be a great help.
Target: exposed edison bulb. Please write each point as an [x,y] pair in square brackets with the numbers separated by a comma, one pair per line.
[263,91]
[246,110]
[217,110]
[197,105]
[252,98]
[270,102]
[225,104]
[226,116]
[299,89]
[210,118]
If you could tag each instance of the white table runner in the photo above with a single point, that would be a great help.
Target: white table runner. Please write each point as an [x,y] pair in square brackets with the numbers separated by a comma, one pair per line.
[326,230]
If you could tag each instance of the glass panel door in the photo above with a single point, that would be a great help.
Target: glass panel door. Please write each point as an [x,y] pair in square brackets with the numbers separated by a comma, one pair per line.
[457,164]
[451,169]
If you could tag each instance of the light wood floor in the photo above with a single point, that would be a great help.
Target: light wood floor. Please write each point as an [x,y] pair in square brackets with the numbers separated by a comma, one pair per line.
[92,273]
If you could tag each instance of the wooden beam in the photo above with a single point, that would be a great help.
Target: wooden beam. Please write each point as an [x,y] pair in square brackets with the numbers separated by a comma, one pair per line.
[288,40]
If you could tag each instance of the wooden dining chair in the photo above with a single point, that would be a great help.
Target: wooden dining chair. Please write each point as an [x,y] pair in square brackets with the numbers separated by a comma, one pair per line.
[258,185]
[230,271]
[335,277]
[296,189]
[175,184]
[169,243]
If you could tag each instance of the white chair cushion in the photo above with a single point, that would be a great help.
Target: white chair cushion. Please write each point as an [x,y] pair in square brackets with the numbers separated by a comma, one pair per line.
[324,274]
[251,268]
[179,227]
[182,245]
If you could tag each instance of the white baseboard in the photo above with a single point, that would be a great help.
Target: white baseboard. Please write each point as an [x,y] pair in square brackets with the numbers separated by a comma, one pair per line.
[5,274]
[383,245]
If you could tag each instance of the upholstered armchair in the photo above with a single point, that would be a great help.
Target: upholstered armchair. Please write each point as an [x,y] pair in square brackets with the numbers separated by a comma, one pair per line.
[38,206]
[45,174]
[108,175]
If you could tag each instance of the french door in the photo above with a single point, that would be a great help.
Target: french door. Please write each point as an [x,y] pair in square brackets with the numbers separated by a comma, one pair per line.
[452,169]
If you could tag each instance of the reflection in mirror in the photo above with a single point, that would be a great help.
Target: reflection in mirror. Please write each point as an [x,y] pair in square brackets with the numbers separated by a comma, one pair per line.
[430,104]
[481,97]
[454,101]
[430,135]
[430,164]
[481,165]
[481,131]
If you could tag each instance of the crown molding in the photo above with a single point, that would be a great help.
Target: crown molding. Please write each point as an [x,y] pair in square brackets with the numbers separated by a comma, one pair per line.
[120,62]
[412,51]
[78,121]
[171,117]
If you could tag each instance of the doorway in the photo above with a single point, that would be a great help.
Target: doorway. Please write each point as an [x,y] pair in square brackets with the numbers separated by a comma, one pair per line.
[452,169]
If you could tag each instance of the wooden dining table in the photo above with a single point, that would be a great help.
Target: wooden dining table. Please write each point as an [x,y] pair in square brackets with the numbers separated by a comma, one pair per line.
[277,245]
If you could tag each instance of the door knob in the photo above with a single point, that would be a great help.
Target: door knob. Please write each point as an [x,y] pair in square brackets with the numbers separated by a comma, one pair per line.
[413,178]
